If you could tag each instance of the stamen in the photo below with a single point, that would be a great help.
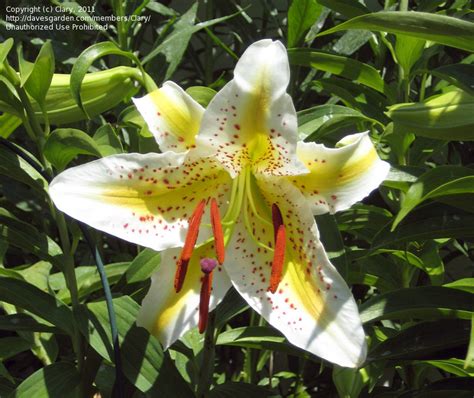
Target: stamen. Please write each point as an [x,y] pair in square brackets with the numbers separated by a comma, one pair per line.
[189,243]
[278,259]
[193,231]
[217,231]
[280,245]
[207,266]
[181,268]
[277,219]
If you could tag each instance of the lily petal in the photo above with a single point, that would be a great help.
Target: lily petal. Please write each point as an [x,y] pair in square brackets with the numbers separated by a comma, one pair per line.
[341,176]
[172,116]
[144,199]
[169,315]
[312,307]
[252,121]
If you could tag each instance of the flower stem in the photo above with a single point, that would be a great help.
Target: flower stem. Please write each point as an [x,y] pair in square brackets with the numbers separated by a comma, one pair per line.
[207,365]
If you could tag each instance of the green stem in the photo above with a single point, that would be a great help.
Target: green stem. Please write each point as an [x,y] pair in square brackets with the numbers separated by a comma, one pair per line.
[208,354]
[121,26]
[69,268]
[251,354]
[208,49]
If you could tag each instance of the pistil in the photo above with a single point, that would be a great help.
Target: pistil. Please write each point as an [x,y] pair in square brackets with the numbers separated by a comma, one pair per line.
[207,266]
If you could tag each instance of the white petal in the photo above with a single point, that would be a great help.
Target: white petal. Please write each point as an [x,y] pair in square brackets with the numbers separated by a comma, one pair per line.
[144,199]
[172,116]
[169,315]
[313,307]
[341,176]
[252,121]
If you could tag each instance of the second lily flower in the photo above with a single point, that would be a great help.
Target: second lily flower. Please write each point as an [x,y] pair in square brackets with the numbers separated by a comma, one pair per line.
[233,199]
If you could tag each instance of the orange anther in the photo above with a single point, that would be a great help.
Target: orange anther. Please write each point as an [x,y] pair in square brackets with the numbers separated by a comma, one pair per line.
[278,259]
[193,231]
[181,268]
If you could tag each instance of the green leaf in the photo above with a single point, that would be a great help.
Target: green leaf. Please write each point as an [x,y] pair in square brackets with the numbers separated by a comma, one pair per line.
[441,29]
[232,389]
[453,365]
[9,101]
[447,116]
[469,361]
[348,8]
[317,119]
[86,59]
[175,44]
[15,167]
[143,360]
[57,380]
[88,280]
[435,183]
[426,302]
[259,337]
[41,75]
[332,241]
[232,305]
[143,266]
[5,48]
[30,298]
[431,221]
[422,340]
[25,323]
[466,284]
[107,140]
[408,50]
[459,75]
[301,16]
[63,145]
[25,236]
[8,124]
[10,346]
[363,221]
[341,66]
[160,9]
[201,94]
[349,382]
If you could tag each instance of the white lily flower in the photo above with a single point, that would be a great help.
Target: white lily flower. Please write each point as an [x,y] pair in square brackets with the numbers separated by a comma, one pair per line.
[240,158]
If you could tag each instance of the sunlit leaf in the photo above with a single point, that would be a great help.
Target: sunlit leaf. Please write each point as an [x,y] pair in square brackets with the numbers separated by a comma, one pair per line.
[63,145]
[442,29]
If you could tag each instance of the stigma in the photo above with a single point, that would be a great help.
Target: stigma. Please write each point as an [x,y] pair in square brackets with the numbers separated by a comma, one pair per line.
[207,267]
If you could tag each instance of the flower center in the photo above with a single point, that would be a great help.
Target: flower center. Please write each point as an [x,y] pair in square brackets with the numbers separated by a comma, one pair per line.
[242,205]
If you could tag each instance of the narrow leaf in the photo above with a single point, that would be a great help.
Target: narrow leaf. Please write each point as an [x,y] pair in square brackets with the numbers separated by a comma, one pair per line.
[419,302]
[441,29]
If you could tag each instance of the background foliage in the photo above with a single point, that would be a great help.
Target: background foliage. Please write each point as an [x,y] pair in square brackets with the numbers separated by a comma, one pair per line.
[401,69]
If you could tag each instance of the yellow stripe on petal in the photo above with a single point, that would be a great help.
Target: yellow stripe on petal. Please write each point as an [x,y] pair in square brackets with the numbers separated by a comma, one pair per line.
[172,116]
[144,199]
[169,315]
[312,305]
[341,176]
